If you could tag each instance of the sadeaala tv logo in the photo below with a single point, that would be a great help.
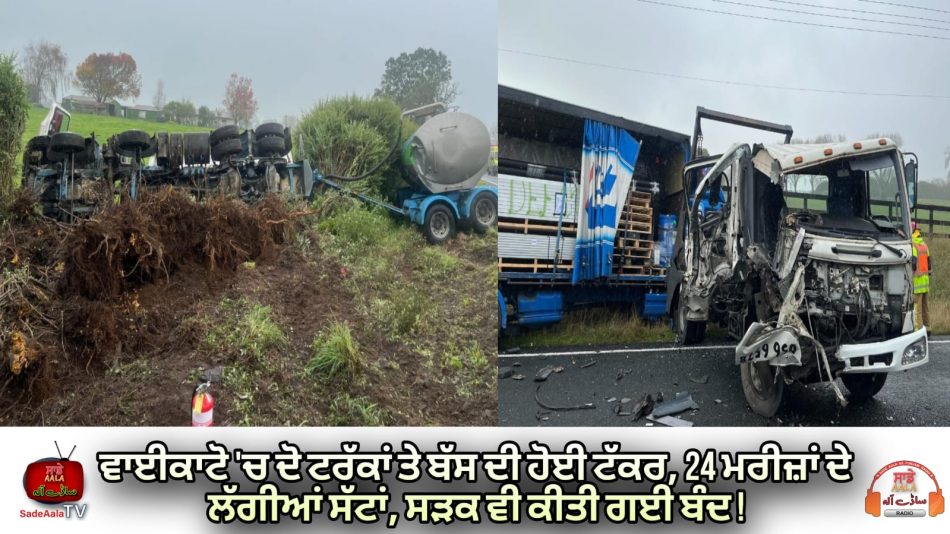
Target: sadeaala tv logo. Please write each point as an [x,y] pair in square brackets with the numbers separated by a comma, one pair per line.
[55,481]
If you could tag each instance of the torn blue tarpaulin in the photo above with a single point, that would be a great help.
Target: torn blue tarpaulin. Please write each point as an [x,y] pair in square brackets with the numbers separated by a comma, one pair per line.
[610,154]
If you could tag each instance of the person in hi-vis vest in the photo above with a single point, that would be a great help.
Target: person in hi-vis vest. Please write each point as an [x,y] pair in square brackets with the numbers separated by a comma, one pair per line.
[921,279]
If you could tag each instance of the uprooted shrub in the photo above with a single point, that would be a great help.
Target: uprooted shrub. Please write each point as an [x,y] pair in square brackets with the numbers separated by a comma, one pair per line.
[134,243]
[350,135]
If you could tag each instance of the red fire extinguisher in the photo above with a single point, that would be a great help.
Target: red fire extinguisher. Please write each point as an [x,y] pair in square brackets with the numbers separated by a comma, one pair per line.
[202,406]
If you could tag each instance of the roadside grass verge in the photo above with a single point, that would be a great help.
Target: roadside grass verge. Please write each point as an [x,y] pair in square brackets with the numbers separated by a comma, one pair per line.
[592,327]
[939,297]
[436,301]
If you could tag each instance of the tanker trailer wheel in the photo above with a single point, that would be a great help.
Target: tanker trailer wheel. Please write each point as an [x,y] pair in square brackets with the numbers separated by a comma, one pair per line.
[763,386]
[863,386]
[439,224]
[484,212]
[688,332]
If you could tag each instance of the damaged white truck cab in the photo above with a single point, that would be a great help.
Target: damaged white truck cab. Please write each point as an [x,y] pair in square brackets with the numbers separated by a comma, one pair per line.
[803,253]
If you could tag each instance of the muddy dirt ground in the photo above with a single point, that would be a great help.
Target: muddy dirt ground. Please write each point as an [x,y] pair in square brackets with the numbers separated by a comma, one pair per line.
[88,347]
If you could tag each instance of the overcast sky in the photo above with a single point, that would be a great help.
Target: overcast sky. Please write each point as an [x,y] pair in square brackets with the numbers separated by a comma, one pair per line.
[640,35]
[296,52]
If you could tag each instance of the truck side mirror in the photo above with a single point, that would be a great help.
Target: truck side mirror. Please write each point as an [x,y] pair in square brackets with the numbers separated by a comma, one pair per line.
[910,175]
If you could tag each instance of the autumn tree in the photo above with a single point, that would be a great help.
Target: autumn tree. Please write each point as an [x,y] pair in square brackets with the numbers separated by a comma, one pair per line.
[43,69]
[109,76]
[420,78]
[239,100]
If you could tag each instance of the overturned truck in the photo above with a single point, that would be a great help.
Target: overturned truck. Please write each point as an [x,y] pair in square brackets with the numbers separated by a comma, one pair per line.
[803,253]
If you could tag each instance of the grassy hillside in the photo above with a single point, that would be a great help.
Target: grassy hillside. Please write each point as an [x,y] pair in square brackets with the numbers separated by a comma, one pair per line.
[104,126]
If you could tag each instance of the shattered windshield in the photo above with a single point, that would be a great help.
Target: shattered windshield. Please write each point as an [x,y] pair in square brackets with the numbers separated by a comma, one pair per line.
[860,196]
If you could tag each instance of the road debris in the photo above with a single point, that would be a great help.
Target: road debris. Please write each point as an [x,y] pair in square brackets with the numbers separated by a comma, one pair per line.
[537,398]
[700,379]
[623,373]
[625,400]
[718,401]
[542,416]
[669,420]
[612,399]
[543,374]
[642,407]
[505,372]
[589,364]
[681,402]
[513,350]
[518,376]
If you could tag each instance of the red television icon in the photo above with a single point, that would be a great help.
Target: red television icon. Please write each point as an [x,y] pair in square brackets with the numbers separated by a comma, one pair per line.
[54,480]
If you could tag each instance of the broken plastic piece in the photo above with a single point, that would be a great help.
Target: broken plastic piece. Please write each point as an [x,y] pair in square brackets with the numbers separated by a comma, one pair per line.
[681,402]
[669,420]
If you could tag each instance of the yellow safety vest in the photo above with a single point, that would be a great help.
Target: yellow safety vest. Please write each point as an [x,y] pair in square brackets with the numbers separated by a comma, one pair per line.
[922,273]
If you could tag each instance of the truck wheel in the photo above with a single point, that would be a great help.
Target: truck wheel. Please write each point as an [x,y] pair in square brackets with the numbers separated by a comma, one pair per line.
[763,387]
[131,140]
[439,225]
[225,148]
[690,332]
[484,213]
[269,129]
[67,143]
[40,142]
[223,133]
[270,146]
[863,386]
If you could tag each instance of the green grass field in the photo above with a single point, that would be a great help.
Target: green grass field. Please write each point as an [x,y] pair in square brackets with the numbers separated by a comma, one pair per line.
[103,126]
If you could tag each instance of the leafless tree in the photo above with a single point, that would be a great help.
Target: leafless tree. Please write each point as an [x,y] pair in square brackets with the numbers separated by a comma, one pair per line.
[43,68]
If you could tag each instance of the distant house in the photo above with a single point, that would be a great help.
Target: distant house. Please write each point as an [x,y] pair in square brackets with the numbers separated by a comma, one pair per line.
[87,104]
[140,111]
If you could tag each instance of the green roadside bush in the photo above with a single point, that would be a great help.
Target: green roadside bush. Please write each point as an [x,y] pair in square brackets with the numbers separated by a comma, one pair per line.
[14,108]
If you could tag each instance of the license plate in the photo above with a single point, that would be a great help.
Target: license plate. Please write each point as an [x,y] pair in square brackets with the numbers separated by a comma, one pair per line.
[778,344]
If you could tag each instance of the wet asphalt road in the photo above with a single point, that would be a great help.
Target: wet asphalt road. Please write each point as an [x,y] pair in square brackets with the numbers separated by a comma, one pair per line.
[919,397]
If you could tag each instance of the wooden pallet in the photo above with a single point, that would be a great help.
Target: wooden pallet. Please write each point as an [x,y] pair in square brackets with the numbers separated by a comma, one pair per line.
[526,265]
[534,226]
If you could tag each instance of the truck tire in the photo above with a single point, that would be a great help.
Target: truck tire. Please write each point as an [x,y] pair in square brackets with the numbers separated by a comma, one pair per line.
[67,143]
[484,213]
[270,146]
[131,141]
[689,332]
[862,387]
[269,129]
[439,224]
[223,133]
[763,387]
[40,142]
[225,149]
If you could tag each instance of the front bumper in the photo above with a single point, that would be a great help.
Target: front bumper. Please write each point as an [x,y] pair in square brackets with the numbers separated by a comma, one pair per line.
[885,356]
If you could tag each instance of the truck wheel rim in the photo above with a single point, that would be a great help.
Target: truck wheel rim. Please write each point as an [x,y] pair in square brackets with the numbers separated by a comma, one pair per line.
[440,225]
[484,212]
[760,380]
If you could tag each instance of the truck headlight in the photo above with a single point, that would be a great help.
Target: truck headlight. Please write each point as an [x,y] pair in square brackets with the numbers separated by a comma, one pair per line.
[915,352]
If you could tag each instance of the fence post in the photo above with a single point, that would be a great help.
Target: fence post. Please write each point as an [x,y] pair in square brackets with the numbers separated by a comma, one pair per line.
[805,200]
[931,221]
